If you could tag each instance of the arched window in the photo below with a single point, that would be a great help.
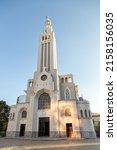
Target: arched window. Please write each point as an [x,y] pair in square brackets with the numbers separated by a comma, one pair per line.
[10,117]
[89,113]
[24,114]
[46,37]
[67,112]
[13,116]
[70,80]
[42,38]
[30,84]
[67,94]
[86,113]
[62,80]
[66,79]
[81,113]
[44,101]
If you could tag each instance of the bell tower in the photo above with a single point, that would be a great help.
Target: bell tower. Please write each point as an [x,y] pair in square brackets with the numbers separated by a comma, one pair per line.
[46,76]
[47,49]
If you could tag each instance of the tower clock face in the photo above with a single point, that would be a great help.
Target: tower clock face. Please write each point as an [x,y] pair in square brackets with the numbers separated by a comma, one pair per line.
[43,77]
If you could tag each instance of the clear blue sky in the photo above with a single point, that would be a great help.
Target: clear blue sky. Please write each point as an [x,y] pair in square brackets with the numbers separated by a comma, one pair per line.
[76,25]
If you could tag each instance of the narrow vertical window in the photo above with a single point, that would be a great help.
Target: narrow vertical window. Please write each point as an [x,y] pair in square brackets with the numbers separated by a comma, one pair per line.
[67,94]
[13,116]
[48,56]
[86,113]
[62,80]
[66,79]
[81,113]
[10,117]
[45,55]
[24,114]
[70,80]
[42,38]
[41,57]
[46,37]
[30,84]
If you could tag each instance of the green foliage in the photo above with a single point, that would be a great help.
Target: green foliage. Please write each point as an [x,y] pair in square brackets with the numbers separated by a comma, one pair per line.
[4,113]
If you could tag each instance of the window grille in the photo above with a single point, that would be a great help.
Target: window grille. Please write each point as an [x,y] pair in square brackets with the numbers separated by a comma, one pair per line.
[44,101]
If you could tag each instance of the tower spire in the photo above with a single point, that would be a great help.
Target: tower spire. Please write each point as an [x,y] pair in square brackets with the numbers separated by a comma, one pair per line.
[48,25]
[47,48]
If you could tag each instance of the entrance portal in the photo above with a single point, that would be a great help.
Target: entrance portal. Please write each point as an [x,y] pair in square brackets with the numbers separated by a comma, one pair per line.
[22,129]
[69,129]
[43,126]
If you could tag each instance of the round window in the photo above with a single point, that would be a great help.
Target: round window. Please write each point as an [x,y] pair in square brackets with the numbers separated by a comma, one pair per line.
[43,77]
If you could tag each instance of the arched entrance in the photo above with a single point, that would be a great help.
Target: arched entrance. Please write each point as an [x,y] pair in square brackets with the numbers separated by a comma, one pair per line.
[44,103]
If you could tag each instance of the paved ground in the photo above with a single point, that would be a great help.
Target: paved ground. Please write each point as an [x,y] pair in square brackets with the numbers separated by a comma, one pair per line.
[49,144]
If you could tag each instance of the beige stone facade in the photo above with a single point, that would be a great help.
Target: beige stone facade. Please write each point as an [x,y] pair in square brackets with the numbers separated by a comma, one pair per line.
[51,106]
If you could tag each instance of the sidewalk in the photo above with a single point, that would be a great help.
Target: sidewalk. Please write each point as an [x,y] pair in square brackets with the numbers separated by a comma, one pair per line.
[10,142]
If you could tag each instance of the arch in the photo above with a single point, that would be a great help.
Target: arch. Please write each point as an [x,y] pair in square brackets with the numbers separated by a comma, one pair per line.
[46,37]
[67,112]
[10,116]
[69,79]
[67,93]
[81,113]
[24,114]
[42,38]
[66,79]
[62,80]
[13,117]
[44,101]
[30,83]
[86,113]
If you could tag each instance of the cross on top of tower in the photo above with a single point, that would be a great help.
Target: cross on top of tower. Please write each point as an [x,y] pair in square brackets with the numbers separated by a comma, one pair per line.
[48,25]
[47,18]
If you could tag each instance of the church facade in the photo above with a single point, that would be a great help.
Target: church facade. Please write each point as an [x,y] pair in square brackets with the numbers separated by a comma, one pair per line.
[51,106]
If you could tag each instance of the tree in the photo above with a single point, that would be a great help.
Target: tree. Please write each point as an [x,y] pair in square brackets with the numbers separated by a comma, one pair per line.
[4,113]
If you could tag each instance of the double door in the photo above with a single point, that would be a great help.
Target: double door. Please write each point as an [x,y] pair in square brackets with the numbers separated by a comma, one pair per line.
[43,126]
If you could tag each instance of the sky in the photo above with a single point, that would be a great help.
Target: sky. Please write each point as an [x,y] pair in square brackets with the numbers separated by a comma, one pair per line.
[76,25]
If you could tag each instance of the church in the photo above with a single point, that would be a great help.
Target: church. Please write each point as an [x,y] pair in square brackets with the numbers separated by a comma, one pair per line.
[51,106]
